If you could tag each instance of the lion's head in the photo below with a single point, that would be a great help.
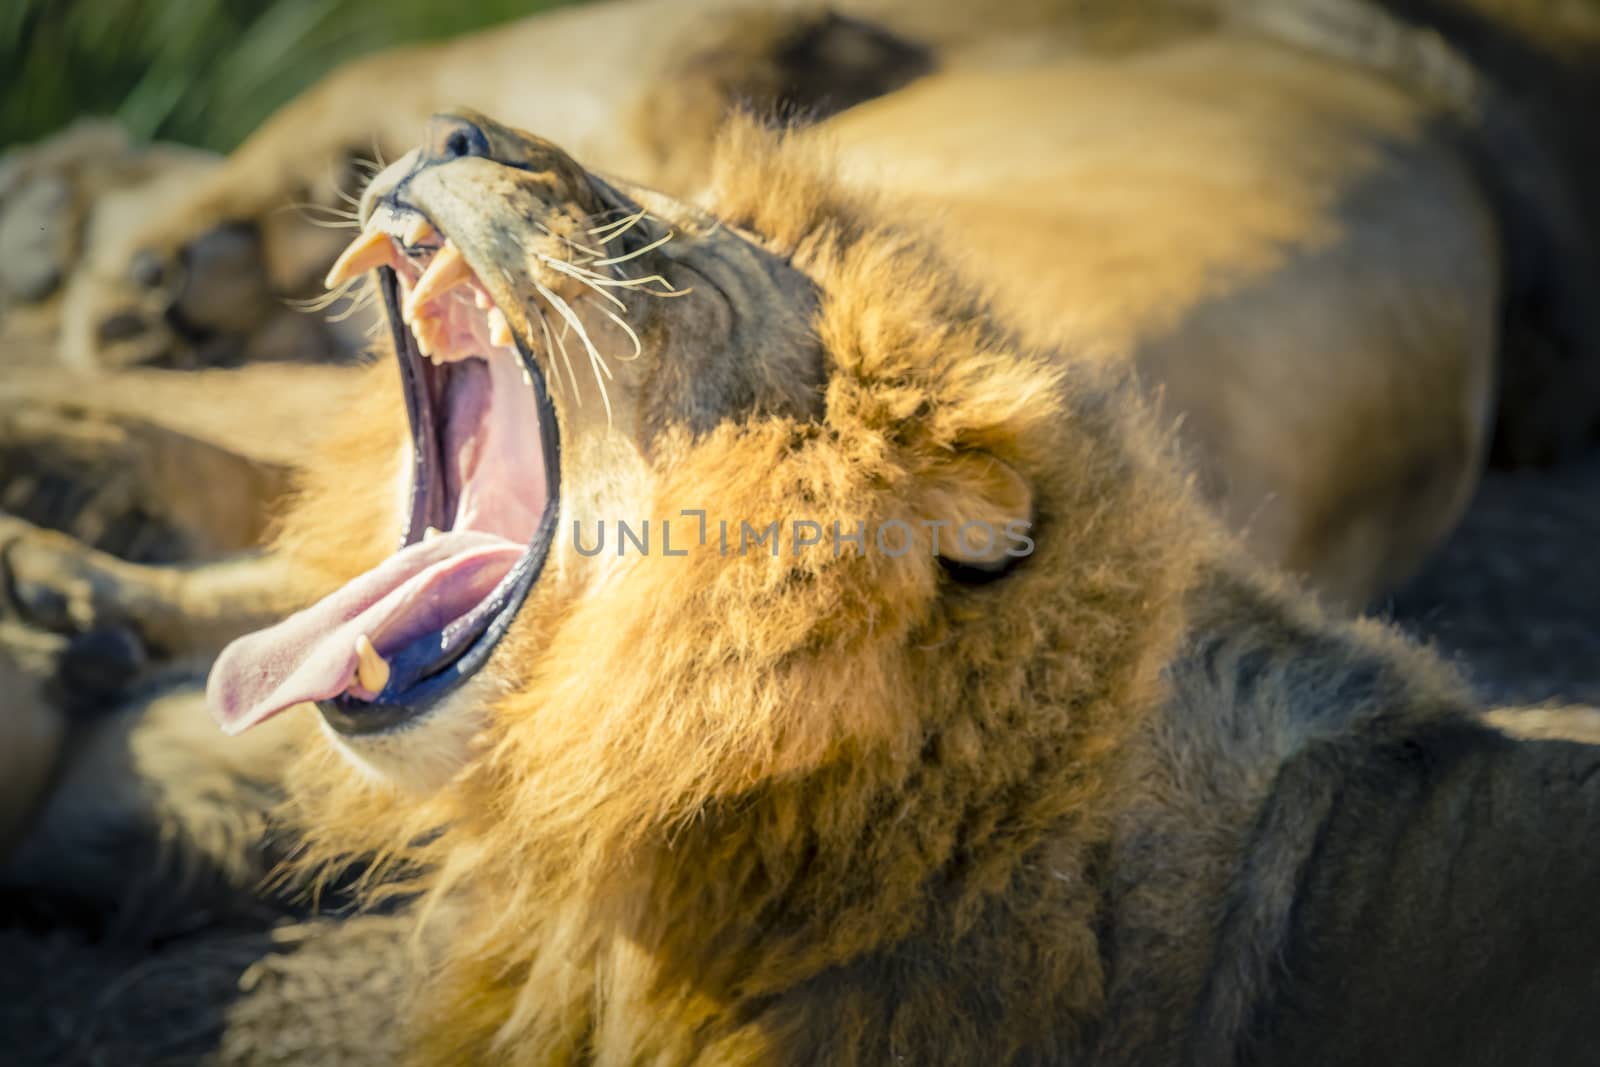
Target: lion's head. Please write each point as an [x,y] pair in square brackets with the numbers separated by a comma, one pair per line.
[876,590]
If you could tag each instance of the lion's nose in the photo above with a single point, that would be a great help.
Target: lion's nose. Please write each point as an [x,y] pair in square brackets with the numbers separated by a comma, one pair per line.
[454,137]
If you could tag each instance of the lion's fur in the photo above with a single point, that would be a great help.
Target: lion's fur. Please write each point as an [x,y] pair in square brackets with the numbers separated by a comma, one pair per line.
[699,754]
[1326,337]
[799,809]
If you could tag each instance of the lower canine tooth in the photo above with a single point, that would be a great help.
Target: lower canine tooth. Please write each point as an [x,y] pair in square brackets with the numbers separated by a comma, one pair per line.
[499,328]
[372,670]
[423,329]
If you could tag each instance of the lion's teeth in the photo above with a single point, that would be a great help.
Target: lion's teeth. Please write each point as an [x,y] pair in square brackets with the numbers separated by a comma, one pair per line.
[499,328]
[418,230]
[430,533]
[371,250]
[480,299]
[372,670]
[447,271]
[422,330]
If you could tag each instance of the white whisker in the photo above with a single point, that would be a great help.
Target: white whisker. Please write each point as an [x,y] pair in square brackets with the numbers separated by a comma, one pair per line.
[327,299]
[579,275]
[592,253]
[577,393]
[613,230]
[334,218]
[614,317]
[624,282]
[360,301]
[651,247]
[596,363]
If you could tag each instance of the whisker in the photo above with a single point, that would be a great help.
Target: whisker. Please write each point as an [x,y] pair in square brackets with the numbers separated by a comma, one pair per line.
[334,224]
[597,364]
[353,201]
[560,345]
[624,282]
[640,283]
[362,300]
[613,230]
[614,317]
[577,275]
[651,247]
[333,218]
[327,299]
[593,253]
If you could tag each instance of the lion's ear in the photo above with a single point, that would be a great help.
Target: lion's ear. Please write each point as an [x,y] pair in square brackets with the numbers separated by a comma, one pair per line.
[982,510]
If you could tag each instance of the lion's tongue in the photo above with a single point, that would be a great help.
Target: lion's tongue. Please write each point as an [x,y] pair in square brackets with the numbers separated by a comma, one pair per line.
[311,655]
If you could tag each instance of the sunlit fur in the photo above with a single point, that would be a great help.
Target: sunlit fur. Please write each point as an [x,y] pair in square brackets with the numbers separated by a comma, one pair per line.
[715,778]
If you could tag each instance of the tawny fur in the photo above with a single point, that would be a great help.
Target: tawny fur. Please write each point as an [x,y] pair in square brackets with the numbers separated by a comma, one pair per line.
[714,779]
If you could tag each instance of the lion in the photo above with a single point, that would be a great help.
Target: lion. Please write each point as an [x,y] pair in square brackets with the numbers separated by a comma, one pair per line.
[924,713]
[1302,250]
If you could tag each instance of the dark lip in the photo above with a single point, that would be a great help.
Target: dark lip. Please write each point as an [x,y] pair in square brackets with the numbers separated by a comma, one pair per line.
[435,665]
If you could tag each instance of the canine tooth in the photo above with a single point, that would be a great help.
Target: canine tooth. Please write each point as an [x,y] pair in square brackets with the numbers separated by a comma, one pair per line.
[371,250]
[422,330]
[418,230]
[480,299]
[430,533]
[499,328]
[527,379]
[447,271]
[372,670]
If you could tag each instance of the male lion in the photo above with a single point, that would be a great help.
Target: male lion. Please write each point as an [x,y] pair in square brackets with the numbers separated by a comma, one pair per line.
[937,723]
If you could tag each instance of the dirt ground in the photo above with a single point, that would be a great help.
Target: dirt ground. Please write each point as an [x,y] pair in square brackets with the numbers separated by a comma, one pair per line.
[1511,599]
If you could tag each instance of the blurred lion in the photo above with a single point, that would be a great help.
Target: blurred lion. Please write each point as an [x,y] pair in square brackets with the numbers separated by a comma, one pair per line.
[1322,233]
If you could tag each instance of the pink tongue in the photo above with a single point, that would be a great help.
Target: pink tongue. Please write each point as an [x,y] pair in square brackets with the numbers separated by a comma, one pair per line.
[311,655]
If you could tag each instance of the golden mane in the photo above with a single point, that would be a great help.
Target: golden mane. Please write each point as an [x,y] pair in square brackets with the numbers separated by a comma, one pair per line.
[711,779]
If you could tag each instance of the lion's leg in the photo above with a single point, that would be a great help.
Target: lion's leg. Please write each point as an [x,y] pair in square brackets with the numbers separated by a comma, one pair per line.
[153,813]
[31,727]
[78,625]
[59,585]
[127,485]
[222,258]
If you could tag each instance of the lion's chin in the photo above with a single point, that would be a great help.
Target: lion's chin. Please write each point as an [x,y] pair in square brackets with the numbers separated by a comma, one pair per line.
[379,653]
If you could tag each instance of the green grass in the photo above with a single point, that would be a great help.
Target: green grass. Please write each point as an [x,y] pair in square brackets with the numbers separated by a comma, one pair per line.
[205,72]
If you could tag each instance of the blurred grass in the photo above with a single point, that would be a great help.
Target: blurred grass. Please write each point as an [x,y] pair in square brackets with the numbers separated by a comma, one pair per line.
[205,72]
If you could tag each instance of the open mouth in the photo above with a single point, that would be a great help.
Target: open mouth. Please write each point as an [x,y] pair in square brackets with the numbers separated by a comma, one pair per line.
[484,497]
